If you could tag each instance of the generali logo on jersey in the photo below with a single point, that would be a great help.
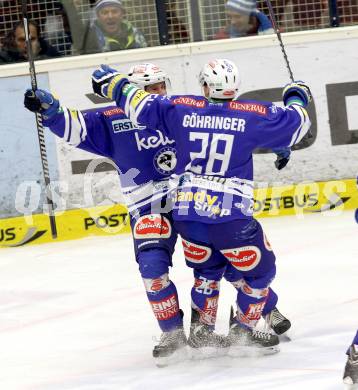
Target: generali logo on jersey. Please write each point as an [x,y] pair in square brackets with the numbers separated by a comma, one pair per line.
[165,309]
[113,111]
[248,107]
[188,101]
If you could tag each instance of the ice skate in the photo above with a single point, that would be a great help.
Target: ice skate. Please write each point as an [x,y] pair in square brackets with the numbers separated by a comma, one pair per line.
[278,323]
[250,342]
[350,376]
[204,342]
[171,348]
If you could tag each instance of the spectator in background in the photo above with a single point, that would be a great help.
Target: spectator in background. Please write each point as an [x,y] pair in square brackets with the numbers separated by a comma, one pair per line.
[245,20]
[295,15]
[14,47]
[177,31]
[57,29]
[79,16]
[113,32]
[107,30]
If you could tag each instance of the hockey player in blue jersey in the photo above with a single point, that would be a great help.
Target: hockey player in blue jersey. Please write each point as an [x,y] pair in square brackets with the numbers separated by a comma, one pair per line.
[145,159]
[215,139]
[211,76]
[350,376]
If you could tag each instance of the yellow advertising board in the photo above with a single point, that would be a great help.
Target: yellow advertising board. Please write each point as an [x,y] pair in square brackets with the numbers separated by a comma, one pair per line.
[299,199]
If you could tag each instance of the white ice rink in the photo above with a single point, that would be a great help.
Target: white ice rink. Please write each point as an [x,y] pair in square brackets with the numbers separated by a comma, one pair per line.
[74,315]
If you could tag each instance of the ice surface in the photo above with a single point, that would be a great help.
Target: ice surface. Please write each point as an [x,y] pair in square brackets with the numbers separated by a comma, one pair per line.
[74,315]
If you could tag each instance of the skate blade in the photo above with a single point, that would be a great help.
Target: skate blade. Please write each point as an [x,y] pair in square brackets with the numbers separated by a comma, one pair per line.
[207,353]
[349,385]
[284,338]
[176,357]
[247,351]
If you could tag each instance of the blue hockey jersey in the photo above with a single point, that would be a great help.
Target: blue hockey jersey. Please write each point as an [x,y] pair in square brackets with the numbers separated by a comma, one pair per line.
[144,158]
[214,142]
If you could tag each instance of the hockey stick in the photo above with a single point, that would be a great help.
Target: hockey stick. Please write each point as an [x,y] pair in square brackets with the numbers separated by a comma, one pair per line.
[278,33]
[40,128]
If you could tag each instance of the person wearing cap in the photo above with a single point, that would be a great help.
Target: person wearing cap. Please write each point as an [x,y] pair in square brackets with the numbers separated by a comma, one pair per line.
[113,32]
[244,20]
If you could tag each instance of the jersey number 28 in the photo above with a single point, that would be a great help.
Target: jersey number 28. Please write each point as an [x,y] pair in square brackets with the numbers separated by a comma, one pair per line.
[214,159]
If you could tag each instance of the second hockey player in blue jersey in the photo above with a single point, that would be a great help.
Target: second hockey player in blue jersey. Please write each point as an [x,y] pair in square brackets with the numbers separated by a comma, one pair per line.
[145,158]
[215,138]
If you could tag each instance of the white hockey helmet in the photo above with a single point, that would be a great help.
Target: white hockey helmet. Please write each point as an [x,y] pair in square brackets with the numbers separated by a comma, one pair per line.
[146,74]
[222,78]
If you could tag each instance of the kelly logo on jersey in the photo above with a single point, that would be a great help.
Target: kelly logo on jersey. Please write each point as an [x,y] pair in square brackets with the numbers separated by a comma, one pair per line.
[152,141]
[122,125]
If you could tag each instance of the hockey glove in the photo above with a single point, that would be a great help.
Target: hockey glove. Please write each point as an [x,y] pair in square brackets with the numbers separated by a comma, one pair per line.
[296,93]
[101,79]
[42,102]
[283,157]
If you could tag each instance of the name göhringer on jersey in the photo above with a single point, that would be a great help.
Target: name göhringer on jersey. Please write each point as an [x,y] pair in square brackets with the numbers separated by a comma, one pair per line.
[214,122]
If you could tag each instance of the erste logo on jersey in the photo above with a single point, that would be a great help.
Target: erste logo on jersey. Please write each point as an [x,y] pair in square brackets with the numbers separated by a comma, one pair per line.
[121,125]
[245,258]
[165,160]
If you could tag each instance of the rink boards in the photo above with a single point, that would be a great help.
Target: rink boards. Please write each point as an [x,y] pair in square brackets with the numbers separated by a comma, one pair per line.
[316,57]
[330,198]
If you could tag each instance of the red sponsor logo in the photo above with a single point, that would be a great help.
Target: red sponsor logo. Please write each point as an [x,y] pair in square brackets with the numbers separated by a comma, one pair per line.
[214,285]
[152,226]
[254,311]
[197,283]
[205,283]
[157,285]
[188,101]
[209,313]
[165,309]
[245,258]
[264,292]
[248,107]
[195,253]
[247,290]
[113,111]
[144,68]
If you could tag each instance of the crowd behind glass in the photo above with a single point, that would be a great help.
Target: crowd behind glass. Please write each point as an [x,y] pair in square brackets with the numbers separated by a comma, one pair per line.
[73,27]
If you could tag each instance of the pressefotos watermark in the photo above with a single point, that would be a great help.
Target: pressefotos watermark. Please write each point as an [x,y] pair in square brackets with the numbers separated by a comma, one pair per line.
[203,196]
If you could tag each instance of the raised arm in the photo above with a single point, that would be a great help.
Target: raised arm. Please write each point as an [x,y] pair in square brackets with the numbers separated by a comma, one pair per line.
[84,130]
[139,106]
[284,127]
